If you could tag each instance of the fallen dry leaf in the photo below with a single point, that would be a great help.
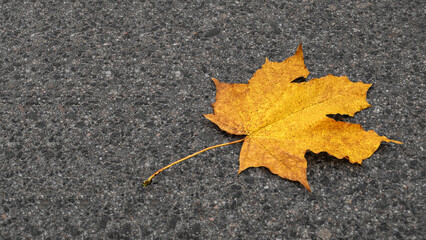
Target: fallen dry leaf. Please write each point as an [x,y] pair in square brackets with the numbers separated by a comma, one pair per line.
[283,119]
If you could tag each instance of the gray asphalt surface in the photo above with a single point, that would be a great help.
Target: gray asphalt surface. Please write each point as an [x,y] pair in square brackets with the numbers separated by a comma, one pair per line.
[96,96]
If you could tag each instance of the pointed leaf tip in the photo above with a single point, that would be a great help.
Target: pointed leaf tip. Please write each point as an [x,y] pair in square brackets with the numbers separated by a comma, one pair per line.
[216,82]
[299,49]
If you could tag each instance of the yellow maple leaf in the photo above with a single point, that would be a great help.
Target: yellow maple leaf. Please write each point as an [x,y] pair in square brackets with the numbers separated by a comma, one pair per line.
[283,119]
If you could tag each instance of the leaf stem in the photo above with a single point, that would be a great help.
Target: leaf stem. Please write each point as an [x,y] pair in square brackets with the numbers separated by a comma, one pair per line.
[148,181]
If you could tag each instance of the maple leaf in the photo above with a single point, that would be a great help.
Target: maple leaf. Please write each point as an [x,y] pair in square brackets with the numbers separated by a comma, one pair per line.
[283,119]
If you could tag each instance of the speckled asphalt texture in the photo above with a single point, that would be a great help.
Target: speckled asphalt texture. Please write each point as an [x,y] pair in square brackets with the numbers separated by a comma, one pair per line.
[97,95]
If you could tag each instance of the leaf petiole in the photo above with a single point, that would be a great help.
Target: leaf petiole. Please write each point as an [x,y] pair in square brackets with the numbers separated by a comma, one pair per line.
[148,181]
